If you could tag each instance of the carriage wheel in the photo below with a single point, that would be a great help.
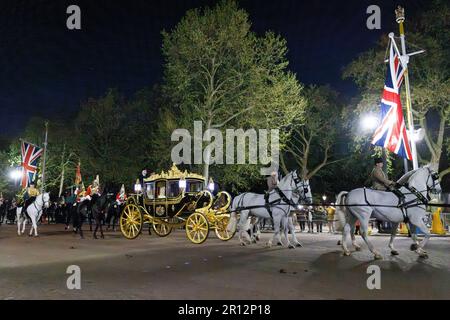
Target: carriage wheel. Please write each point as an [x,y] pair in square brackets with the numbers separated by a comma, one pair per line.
[131,221]
[161,230]
[221,229]
[197,228]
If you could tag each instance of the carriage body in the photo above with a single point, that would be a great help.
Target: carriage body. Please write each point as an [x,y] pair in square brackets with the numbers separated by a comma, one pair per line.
[170,200]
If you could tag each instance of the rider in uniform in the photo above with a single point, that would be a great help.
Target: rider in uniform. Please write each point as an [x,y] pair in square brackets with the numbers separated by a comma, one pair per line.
[30,196]
[381,182]
[272,181]
[121,196]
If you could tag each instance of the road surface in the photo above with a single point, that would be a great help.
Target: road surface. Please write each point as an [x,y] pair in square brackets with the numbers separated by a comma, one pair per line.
[150,267]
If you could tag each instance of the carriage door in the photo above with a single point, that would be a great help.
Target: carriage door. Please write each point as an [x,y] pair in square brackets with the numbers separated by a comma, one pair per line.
[161,198]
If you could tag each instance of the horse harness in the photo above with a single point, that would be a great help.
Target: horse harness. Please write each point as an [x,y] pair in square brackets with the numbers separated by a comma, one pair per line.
[419,200]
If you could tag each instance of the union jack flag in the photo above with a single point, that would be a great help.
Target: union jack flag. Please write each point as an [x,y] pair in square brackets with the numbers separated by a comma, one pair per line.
[391,133]
[30,159]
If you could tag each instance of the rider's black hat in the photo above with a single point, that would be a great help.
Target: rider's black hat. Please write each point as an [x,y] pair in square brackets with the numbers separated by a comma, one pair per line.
[378,160]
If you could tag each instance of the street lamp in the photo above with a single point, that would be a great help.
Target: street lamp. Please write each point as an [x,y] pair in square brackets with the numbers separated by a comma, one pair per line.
[15,174]
[369,122]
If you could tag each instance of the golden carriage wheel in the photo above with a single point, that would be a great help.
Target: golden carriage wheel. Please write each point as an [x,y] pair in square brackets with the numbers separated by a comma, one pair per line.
[197,228]
[161,230]
[131,221]
[221,229]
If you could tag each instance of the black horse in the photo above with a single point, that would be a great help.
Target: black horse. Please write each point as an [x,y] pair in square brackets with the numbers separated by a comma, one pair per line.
[113,213]
[100,206]
[80,213]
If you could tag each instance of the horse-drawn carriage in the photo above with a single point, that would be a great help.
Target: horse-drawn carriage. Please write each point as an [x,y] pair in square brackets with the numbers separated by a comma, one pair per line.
[176,199]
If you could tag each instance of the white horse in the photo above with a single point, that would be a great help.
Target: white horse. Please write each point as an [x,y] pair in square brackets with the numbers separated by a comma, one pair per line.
[34,212]
[360,204]
[254,204]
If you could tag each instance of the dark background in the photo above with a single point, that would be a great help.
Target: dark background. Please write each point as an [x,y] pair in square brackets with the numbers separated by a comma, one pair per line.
[47,70]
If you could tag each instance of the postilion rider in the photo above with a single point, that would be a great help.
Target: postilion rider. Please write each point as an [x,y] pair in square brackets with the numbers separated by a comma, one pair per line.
[381,182]
[272,183]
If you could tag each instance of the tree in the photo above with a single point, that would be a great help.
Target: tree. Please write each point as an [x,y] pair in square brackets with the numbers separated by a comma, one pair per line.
[219,72]
[311,144]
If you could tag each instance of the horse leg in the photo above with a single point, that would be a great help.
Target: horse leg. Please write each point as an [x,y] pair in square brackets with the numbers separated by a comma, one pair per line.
[242,231]
[115,217]
[284,226]
[364,233]
[80,226]
[418,222]
[353,237]
[292,229]
[391,242]
[346,234]
[18,225]
[276,236]
[96,228]
[101,229]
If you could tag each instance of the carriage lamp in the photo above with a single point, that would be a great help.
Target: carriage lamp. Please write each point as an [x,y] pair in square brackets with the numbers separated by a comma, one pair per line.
[137,187]
[324,197]
[211,185]
[182,183]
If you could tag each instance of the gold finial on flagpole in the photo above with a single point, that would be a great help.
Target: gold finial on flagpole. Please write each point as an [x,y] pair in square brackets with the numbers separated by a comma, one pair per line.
[400,14]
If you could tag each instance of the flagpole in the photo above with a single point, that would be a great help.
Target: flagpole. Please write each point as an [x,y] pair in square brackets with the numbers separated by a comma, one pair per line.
[400,18]
[45,157]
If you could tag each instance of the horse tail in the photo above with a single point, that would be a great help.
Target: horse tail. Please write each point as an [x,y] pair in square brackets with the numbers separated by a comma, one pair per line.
[233,216]
[341,210]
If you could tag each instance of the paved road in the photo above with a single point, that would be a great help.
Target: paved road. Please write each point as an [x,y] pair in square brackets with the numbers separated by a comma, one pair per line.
[172,268]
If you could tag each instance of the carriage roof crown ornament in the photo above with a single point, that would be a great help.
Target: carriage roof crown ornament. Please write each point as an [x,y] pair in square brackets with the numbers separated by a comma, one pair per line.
[174,173]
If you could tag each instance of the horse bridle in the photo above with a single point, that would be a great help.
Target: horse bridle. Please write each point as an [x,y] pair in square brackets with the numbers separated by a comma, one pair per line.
[434,177]
[304,186]
[43,204]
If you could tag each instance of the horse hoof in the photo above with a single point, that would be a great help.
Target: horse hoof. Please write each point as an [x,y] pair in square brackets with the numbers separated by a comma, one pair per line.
[347,253]
[423,255]
[339,243]
[414,247]
[291,246]
[357,248]
[298,244]
[279,244]
[377,256]
[394,252]
[243,244]
[102,236]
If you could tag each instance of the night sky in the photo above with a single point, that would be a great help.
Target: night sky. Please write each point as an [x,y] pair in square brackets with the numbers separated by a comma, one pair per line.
[47,70]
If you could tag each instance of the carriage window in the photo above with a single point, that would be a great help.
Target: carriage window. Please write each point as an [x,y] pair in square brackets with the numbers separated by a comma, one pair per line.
[194,186]
[150,190]
[161,189]
[174,189]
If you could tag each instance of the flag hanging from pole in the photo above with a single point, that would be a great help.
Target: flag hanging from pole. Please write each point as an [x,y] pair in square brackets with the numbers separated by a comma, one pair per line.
[391,134]
[78,175]
[30,158]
